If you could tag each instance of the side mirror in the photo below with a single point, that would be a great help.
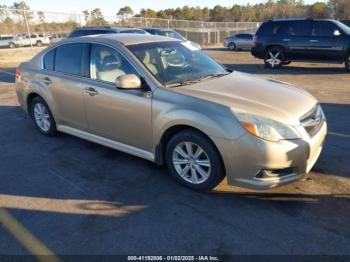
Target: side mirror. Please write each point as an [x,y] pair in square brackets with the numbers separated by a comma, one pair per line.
[128,82]
[336,33]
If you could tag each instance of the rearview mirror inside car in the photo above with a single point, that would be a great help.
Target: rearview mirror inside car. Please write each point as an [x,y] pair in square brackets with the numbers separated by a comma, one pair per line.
[130,81]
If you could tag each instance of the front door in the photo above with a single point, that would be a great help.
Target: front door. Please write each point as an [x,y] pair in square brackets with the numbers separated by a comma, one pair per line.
[327,42]
[118,114]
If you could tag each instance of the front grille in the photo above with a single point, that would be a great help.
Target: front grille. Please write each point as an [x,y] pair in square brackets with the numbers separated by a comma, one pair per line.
[312,121]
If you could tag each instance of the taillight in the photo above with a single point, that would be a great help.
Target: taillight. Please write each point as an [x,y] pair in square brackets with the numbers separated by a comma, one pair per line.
[255,41]
[18,72]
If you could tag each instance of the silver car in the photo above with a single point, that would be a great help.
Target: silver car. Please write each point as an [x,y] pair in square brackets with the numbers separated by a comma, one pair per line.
[164,100]
[239,42]
[8,41]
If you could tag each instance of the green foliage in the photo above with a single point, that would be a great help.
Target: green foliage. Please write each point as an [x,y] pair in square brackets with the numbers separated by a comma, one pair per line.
[94,17]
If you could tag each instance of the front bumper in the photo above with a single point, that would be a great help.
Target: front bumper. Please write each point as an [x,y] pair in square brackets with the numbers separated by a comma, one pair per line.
[288,160]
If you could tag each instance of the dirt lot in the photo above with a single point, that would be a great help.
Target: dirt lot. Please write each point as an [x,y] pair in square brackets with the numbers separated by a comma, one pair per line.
[80,198]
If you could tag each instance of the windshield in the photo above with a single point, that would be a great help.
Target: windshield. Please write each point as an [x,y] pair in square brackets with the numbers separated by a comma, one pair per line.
[177,63]
[343,27]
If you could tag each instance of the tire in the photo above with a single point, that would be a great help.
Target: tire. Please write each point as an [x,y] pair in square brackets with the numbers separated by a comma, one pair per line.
[232,46]
[12,45]
[347,63]
[209,161]
[39,43]
[42,117]
[274,57]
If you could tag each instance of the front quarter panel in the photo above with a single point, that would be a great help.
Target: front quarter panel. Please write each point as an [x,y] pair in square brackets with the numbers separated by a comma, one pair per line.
[173,109]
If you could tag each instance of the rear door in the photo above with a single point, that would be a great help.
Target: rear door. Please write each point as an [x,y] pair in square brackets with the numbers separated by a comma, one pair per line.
[63,73]
[248,41]
[325,42]
[295,36]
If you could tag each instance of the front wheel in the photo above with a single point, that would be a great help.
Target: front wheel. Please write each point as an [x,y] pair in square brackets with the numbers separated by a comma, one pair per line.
[12,45]
[347,63]
[274,57]
[39,43]
[232,46]
[194,161]
[43,117]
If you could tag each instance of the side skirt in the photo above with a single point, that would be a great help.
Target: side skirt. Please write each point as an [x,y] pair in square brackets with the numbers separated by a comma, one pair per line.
[107,142]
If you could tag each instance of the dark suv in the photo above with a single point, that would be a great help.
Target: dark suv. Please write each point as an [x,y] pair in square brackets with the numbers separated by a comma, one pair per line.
[279,42]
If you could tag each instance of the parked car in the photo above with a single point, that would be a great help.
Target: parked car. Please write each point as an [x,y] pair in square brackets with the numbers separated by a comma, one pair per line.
[239,41]
[55,37]
[105,30]
[34,39]
[165,32]
[8,41]
[169,33]
[166,101]
[281,41]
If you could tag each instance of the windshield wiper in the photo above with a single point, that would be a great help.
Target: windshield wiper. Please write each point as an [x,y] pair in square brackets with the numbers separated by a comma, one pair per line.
[190,82]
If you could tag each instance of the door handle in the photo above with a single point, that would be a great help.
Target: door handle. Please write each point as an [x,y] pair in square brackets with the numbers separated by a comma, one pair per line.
[47,80]
[286,39]
[91,91]
[314,41]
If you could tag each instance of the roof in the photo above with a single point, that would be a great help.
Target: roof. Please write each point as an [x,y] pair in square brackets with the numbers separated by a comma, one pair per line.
[298,19]
[130,39]
[159,29]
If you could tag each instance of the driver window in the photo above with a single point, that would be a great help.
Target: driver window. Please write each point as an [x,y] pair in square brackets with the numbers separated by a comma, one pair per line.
[107,64]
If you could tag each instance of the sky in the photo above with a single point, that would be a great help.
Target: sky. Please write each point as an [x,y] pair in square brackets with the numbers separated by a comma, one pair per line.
[111,7]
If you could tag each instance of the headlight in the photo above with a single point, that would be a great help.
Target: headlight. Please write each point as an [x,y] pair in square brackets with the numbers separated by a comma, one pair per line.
[266,128]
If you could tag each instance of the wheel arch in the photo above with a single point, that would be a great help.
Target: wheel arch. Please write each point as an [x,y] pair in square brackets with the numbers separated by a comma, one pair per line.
[29,101]
[169,133]
[274,45]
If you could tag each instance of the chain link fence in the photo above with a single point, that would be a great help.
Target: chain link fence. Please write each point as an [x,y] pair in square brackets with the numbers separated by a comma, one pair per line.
[28,27]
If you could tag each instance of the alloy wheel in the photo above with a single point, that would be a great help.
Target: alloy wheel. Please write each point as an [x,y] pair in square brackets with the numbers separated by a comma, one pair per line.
[42,117]
[191,162]
[274,58]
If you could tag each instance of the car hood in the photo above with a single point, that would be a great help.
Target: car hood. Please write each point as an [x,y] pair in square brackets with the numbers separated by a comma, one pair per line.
[246,93]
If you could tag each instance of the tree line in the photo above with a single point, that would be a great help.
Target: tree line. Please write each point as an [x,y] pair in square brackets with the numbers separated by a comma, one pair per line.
[270,9]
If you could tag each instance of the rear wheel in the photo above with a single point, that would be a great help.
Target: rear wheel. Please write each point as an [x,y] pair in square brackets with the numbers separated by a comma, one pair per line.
[12,45]
[43,117]
[39,43]
[194,161]
[232,46]
[347,63]
[274,57]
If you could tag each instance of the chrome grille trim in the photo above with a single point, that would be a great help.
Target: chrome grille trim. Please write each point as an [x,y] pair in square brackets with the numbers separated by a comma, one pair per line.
[313,120]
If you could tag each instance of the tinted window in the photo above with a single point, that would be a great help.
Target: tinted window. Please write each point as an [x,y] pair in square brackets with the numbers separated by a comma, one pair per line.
[132,31]
[270,28]
[247,36]
[297,28]
[69,58]
[323,28]
[78,33]
[107,64]
[49,60]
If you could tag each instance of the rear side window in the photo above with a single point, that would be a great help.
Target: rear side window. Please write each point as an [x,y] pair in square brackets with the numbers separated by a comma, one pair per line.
[297,28]
[323,28]
[69,59]
[270,28]
[49,60]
